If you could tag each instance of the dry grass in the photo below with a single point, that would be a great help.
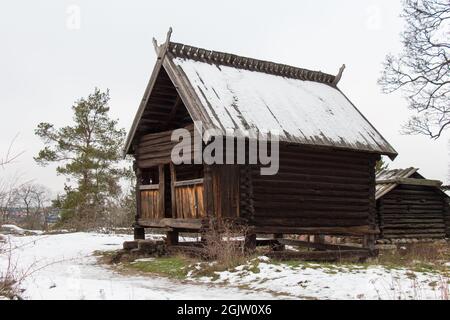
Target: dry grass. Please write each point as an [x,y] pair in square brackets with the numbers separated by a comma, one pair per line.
[224,245]
[431,256]
[10,277]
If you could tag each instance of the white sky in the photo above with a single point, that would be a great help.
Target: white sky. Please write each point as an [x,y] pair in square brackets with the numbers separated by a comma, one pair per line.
[46,64]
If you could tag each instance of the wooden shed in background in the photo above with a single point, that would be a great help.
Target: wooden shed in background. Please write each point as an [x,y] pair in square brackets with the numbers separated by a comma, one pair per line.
[328,150]
[410,206]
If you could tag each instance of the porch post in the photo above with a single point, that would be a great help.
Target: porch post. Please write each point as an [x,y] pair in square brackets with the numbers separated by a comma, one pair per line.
[250,242]
[172,238]
[173,179]
[139,232]
[162,180]
[278,246]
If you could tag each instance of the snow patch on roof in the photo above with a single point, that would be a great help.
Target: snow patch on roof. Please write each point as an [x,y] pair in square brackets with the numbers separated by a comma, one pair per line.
[298,111]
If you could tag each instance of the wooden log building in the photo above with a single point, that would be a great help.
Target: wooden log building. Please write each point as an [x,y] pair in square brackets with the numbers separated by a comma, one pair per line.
[326,179]
[410,206]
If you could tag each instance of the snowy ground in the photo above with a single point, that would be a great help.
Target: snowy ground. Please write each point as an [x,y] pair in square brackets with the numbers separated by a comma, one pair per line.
[65,268]
[316,281]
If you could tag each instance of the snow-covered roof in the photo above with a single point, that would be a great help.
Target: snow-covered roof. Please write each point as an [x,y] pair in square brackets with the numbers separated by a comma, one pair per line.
[230,93]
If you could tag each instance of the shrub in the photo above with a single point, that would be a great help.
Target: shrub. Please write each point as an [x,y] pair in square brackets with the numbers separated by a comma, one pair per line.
[224,243]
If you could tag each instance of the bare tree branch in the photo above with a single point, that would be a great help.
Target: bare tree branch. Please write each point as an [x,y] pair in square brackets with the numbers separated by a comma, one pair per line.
[422,69]
[10,157]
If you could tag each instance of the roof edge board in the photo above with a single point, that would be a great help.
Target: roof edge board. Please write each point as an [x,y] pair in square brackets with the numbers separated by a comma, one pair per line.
[160,52]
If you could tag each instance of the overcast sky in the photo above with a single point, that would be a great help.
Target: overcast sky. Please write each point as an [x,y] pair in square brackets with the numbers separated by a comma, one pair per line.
[48,60]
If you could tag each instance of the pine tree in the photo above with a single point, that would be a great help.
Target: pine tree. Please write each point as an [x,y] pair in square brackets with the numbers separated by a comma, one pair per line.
[381,165]
[88,153]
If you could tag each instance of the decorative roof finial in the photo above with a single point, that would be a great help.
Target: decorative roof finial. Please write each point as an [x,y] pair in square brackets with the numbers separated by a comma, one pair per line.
[163,49]
[339,75]
[169,33]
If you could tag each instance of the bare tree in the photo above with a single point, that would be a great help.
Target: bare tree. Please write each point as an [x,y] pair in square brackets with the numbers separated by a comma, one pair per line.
[422,69]
[8,195]
[8,184]
[34,197]
[10,156]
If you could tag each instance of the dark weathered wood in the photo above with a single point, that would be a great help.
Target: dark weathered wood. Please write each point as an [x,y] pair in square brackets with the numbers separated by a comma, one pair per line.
[354,230]
[155,148]
[208,191]
[278,245]
[172,238]
[173,180]
[250,242]
[225,186]
[412,211]
[139,233]
[138,194]
[333,255]
[162,186]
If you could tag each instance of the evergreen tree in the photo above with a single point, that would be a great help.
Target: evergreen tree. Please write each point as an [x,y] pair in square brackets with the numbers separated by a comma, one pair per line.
[88,153]
[381,165]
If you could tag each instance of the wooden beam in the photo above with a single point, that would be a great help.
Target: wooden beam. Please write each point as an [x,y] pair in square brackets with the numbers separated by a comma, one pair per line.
[162,211]
[412,181]
[172,238]
[173,195]
[356,230]
[138,192]
[139,233]
[208,191]
[278,245]
[250,242]
[319,255]
[188,182]
[149,187]
[191,224]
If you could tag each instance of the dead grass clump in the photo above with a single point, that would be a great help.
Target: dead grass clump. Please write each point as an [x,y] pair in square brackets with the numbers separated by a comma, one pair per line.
[10,278]
[224,244]
[431,256]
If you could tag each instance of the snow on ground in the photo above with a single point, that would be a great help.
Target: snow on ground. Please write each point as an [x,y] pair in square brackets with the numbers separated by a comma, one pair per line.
[13,229]
[315,281]
[65,268]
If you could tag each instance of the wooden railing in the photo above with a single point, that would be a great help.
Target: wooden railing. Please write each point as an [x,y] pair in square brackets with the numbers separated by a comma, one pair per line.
[189,199]
[150,201]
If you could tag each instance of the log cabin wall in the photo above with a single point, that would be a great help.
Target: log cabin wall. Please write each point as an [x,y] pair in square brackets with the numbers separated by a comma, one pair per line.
[225,190]
[411,211]
[155,148]
[447,217]
[313,189]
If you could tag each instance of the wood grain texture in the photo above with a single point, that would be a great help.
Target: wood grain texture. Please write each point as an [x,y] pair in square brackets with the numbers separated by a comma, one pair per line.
[315,189]
[412,211]
[150,205]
